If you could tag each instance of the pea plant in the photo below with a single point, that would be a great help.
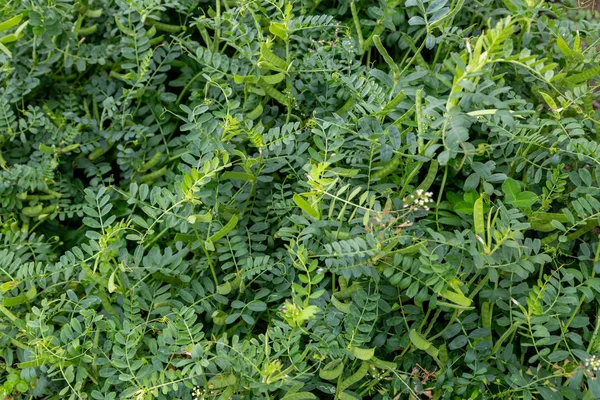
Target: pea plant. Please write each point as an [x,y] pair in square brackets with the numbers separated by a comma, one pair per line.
[277,199]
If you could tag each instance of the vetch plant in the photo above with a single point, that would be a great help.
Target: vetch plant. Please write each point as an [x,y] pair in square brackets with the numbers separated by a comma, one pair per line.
[270,199]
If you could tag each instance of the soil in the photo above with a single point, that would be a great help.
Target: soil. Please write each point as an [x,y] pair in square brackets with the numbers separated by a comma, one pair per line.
[591,4]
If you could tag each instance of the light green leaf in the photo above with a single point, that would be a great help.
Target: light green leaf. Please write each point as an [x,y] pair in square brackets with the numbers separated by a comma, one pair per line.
[464,207]
[524,199]
[240,176]
[278,29]
[305,206]
[511,189]
[309,312]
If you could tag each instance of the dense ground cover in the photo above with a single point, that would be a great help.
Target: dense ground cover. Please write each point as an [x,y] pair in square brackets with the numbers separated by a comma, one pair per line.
[297,200]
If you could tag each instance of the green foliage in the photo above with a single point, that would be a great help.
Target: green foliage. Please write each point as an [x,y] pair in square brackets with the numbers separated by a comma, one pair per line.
[298,200]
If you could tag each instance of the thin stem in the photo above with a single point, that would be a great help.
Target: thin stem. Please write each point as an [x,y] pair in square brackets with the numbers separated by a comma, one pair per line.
[187,86]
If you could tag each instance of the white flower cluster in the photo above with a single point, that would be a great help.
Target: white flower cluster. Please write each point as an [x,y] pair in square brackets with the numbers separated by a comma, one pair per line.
[418,201]
[592,363]
[198,393]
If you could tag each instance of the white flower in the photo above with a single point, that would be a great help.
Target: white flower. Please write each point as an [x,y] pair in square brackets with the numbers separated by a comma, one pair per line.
[418,201]
[592,363]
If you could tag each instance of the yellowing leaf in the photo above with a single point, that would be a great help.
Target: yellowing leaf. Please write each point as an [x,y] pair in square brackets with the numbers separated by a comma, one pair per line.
[111,282]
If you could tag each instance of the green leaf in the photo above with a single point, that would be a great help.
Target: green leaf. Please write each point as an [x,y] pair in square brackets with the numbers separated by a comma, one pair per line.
[564,47]
[589,396]
[549,394]
[464,207]
[240,176]
[306,207]
[278,29]
[416,21]
[5,50]
[511,189]
[309,312]
[22,387]
[524,199]
[558,225]
[69,373]
[558,355]
[257,306]
[220,381]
